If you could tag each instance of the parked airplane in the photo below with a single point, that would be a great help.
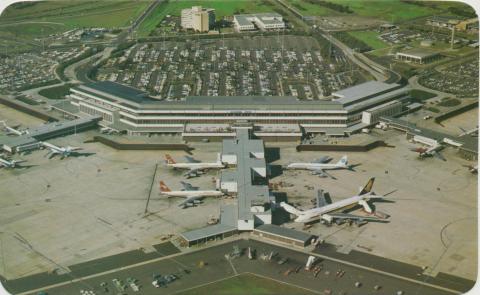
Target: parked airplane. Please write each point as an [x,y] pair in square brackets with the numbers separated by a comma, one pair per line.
[330,212]
[10,163]
[472,168]
[64,152]
[319,166]
[13,130]
[472,132]
[194,167]
[429,151]
[108,130]
[191,194]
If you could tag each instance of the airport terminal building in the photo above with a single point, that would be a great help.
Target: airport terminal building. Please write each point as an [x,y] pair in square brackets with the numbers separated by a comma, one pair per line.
[132,111]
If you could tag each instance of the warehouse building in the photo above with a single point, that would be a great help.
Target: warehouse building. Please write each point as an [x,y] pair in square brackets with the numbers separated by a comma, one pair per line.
[419,56]
[132,111]
[262,21]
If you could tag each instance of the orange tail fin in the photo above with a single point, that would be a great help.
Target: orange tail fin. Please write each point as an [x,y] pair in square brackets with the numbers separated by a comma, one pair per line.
[169,159]
[164,187]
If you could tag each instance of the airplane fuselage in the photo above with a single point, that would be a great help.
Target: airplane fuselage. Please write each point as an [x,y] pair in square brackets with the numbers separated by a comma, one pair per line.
[209,193]
[198,166]
[313,166]
[317,213]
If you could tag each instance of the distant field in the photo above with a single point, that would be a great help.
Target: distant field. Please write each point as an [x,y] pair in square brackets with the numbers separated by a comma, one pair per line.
[34,20]
[246,284]
[370,38]
[384,9]
[222,8]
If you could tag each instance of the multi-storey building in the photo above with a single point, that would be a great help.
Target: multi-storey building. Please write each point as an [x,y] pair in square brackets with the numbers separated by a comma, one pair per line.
[130,110]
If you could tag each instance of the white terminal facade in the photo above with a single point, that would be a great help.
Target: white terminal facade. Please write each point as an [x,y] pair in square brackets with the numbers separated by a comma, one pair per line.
[198,18]
[132,111]
[262,21]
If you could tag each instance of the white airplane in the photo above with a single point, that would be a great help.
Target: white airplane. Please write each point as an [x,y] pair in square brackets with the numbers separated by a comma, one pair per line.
[319,166]
[64,152]
[13,130]
[191,194]
[472,132]
[329,212]
[10,164]
[108,130]
[429,151]
[194,167]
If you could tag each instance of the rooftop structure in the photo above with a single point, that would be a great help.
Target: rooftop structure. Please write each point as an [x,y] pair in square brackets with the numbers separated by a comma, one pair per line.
[249,179]
[282,234]
[363,92]
[46,131]
[263,21]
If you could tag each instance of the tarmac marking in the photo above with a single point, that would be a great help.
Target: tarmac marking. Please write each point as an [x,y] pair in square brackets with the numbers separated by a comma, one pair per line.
[233,267]
[206,284]
[366,268]
[283,282]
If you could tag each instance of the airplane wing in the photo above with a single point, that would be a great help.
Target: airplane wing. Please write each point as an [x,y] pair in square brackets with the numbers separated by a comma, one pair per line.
[319,172]
[323,159]
[347,216]
[191,160]
[75,148]
[187,186]
[189,201]
[438,155]
[192,172]
[322,173]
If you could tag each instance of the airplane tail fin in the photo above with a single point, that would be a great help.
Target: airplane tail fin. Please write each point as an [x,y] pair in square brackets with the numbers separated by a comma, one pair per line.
[343,160]
[164,187]
[368,187]
[290,209]
[169,159]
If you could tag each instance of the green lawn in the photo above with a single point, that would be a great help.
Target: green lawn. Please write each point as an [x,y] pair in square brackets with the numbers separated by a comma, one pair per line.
[389,10]
[57,92]
[421,95]
[370,38]
[246,284]
[222,8]
[49,17]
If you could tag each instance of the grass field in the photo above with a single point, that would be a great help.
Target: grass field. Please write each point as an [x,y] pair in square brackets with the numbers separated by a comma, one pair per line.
[49,17]
[57,92]
[384,9]
[246,284]
[370,38]
[421,95]
[222,8]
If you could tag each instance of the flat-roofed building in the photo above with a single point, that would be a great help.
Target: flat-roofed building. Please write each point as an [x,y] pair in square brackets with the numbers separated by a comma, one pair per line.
[263,21]
[468,25]
[443,21]
[198,19]
[132,111]
[283,235]
[418,55]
